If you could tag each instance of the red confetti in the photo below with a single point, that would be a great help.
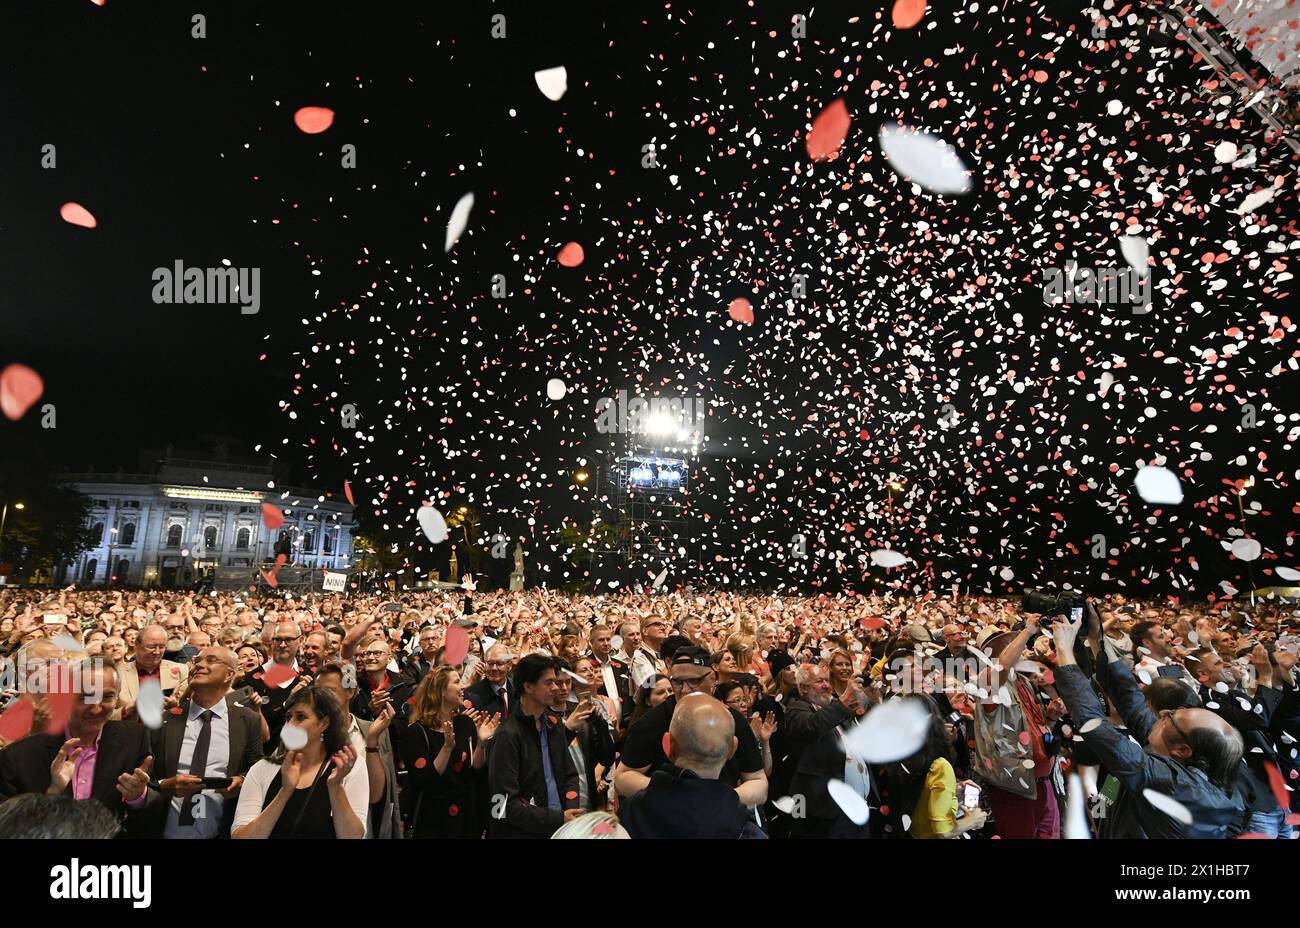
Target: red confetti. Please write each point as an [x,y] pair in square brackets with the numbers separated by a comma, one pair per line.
[571,794]
[421,763]
[457,645]
[571,255]
[453,810]
[272,516]
[16,721]
[77,215]
[278,674]
[741,311]
[20,387]
[313,119]
[828,132]
[907,13]
[347,493]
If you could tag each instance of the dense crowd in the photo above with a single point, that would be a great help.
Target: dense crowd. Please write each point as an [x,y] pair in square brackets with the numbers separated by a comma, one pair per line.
[688,714]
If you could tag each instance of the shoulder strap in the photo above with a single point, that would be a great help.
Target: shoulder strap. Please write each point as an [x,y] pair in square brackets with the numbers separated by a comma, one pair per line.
[320,775]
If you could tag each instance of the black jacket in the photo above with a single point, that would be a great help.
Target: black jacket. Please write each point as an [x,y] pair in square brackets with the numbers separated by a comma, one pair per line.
[623,682]
[1215,814]
[123,746]
[1253,723]
[165,744]
[819,759]
[482,695]
[517,781]
[678,804]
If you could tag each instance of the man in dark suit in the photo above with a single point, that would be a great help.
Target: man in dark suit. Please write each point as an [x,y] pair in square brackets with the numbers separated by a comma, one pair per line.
[211,736]
[615,675]
[816,757]
[92,758]
[494,694]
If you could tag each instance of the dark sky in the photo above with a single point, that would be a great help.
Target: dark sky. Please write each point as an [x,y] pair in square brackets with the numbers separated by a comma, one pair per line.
[186,149]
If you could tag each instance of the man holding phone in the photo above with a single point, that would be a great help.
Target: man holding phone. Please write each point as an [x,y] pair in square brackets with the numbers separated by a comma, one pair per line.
[202,752]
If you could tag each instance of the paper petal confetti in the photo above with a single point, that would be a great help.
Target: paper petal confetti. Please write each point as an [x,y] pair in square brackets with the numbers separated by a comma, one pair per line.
[457,645]
[571,255]
[272,516]
[1168,805]
[887,557]
[907,13]
[20,388]
[432,524]
[347,493]
[556,389]
[1158,486]
[149,704]
[741,311]
[313,119]
[924,159]
[892,731]
[459,219]
[850,803]
[294,737]
[16,722]
[1246,549]
[553,82]
[828,131]
[77,215]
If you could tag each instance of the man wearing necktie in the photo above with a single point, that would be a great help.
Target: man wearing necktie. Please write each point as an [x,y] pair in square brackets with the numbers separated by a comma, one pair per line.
[211,738]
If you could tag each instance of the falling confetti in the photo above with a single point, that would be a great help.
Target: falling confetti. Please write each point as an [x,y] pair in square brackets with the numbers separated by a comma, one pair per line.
[924,159]
[849,801]
[553,82]
[892,731]
[459,219]
[828,132]
[20,388]
[313,119]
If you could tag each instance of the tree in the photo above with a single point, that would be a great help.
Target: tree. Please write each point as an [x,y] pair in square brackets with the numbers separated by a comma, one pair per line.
[51,528]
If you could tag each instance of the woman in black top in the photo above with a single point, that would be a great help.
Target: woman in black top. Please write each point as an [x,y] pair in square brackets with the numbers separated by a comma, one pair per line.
[329,793]
[444,752]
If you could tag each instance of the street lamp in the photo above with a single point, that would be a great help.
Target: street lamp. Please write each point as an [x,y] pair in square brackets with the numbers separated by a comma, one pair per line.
[4,514]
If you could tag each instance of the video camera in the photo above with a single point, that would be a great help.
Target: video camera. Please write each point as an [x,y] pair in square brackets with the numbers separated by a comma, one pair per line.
[1054,605]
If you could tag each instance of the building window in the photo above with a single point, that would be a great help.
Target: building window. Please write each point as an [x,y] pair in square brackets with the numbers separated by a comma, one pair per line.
[128,534]
[329,543]
[123,568]
[309,541]
[214,507]
[174,536]
[131,504]
[242,538]
[97,530]
[91,566]
[210,537]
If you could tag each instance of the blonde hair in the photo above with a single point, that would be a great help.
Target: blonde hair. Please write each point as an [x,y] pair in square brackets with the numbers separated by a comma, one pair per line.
[428,697]
[585,826]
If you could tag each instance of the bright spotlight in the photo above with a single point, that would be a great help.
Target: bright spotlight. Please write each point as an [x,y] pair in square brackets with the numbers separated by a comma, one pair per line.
[661,423]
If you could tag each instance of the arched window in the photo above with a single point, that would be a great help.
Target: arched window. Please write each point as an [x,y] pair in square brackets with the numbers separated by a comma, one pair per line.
[123,568]
[210,537]
[128,534]
[92,565]
[242,538]
[328,542]
[174,535]
[98,532]
[309,541]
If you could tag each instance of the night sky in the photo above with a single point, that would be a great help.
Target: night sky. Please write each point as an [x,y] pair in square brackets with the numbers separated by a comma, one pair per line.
[187,149]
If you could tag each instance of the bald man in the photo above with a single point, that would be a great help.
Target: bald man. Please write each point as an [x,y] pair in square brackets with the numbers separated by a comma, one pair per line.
[210,738]
[686,799]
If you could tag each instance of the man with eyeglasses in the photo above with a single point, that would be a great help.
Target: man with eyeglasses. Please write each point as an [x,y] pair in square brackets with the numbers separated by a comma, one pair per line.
[286,639]
[646,662]
[149,664]
[494,693]
[643,751]
[1191,756]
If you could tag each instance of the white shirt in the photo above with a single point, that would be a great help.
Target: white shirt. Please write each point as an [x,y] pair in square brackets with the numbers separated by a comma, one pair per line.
[645,665]
[252,796]
[208,810]
[611,683]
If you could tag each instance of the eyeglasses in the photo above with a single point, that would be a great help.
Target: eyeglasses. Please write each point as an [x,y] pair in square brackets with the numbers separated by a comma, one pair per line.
[373,654]
[498,663]
[1169,714]
[693,682]
[286,640]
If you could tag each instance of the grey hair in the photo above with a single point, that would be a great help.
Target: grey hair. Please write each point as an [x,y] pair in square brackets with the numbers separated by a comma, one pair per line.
[806,674]
[584,827]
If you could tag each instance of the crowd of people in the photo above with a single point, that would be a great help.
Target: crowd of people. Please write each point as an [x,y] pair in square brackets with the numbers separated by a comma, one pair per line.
[430,714]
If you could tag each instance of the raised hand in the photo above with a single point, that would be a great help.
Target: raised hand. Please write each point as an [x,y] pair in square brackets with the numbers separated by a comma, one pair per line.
[487,726]
[291,769]
[132,785]
[342,761]
[63,767]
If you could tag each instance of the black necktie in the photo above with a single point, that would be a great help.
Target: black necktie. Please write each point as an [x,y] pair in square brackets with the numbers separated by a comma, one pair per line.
[505,705]
[198,764]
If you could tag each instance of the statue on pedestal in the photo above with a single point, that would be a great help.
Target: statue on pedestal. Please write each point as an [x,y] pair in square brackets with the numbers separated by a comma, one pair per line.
[453,572]
[517,577]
